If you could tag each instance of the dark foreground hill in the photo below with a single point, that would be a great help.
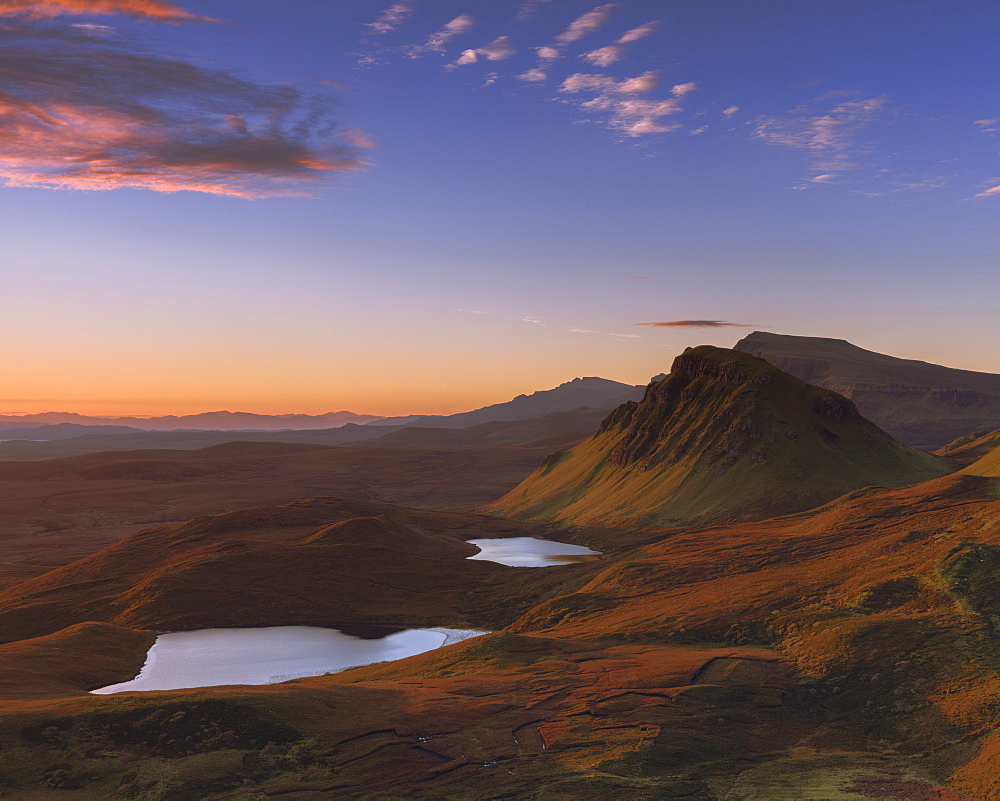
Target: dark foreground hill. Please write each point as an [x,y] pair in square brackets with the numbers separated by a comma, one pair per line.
[725,436]
[320,561]
[924,405]
[56,510]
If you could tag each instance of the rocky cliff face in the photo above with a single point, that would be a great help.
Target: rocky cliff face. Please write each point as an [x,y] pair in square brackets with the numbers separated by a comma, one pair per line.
[924,405]
[724,436]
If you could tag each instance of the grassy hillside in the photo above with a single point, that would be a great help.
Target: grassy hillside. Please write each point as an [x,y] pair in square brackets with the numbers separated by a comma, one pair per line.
[322,561]
[989,464]
[725,436]
[849,652]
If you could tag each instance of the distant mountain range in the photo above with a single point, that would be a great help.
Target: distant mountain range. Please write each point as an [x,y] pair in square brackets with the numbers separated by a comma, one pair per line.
[921,404]
[206,421]
[594,393]
[43,443]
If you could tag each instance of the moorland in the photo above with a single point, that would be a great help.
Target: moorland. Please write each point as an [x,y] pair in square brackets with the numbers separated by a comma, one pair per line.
[796,599]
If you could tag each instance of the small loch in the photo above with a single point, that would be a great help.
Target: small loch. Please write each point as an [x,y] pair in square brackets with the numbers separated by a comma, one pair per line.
[212,657]
[531,552]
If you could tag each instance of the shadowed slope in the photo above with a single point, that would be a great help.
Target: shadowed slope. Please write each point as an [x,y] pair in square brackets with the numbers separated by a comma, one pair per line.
[55,511]
[724,436]
[77,659]
[322,561]
[923,404]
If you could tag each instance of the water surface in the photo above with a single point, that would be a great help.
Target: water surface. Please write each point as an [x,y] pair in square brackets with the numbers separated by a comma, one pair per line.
[212,657]
[531,552]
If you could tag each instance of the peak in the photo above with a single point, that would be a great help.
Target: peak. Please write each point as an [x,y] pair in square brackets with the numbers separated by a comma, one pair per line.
[725,435]
[732,366]
[590,382]
[766,337]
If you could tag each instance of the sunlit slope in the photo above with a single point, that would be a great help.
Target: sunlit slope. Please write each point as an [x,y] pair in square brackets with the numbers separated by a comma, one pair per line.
[965,451]
[988,465]
[724,436]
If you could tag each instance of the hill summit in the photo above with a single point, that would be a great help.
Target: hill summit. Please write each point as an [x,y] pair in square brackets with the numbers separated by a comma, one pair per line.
[922,404]
[725,436]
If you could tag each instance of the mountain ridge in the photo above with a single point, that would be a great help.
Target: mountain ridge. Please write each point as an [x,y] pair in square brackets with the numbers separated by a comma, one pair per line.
[922,404]
[725,435]
[222,420]
[589,392]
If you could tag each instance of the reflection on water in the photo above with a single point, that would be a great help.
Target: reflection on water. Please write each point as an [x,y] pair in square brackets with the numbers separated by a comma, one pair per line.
[269,655]
[531,552]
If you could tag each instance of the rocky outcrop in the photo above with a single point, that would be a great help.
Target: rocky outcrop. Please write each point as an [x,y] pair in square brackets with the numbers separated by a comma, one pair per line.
[921,404]
[724,436]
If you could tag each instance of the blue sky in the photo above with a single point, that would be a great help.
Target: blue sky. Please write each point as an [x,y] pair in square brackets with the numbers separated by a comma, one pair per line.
[460,201]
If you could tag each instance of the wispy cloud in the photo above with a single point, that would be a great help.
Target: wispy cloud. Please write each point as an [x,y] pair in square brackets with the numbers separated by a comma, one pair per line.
[729,112]
[987,126]
[606,56]
[151,9]
[529,10]
[534,75]
[497,50]
[586,24]
[86,110]
[622,104]
[391,18]
[578,29]
[991,191]
[830,136]
[698,324]
[625,336]
[535,320]
[582,331]
[436,42]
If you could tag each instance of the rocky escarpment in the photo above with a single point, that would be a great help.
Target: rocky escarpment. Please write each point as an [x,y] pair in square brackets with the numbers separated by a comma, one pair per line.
[924,405]
[724,436]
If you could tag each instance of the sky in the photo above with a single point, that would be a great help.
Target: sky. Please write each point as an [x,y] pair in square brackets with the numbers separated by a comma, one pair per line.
[426,206]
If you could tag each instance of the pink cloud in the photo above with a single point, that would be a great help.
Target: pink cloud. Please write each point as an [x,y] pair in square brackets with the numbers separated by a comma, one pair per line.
[390,19]
[436,42]
[606,56]
[497,50]
[151,9]
[534,75]
[86,111]
[829,135]
[586,24]
[529,9]
[621,101]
